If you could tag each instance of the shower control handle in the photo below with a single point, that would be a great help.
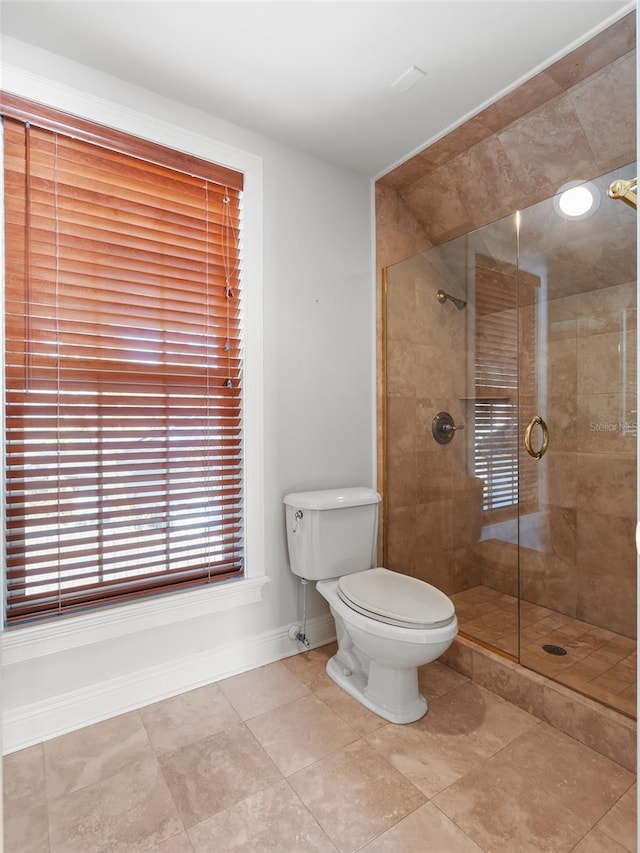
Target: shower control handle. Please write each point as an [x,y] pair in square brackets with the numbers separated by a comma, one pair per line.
[443,427]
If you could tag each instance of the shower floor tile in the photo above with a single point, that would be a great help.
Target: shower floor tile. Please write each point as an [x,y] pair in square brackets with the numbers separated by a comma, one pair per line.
[599,663]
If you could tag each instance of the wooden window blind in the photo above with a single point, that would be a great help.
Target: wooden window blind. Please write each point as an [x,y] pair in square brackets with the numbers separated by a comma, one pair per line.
[124,470]
[505,318]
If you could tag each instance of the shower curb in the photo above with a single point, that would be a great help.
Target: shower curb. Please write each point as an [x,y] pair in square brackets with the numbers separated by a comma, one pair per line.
[608,732]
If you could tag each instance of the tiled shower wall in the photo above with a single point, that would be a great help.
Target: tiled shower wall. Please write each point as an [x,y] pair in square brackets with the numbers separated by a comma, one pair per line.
[589,570]
[434,506]
[574,120]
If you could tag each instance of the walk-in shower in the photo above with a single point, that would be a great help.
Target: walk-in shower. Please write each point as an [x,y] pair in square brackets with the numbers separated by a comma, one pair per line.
[526,519]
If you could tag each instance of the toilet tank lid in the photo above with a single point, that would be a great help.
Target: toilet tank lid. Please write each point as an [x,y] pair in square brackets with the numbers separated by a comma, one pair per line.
[333,498]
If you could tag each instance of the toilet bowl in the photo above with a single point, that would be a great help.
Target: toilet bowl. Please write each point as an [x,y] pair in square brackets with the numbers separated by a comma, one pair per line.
[379,652]
[387,624]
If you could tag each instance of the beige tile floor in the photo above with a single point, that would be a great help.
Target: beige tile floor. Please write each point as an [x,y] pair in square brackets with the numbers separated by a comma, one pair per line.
[280,760]
[599,663]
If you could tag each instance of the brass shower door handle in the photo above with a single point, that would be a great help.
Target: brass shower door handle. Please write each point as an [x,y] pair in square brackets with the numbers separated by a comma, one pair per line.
[537,454]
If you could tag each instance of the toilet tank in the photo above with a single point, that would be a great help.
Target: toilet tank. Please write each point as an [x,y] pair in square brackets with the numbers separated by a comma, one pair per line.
[332,532]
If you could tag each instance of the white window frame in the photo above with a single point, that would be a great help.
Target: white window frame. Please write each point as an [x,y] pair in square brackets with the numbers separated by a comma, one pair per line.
[23,642]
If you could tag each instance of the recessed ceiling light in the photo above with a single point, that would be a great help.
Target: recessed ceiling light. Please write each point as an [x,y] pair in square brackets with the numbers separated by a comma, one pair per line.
[577,200]
[409,78]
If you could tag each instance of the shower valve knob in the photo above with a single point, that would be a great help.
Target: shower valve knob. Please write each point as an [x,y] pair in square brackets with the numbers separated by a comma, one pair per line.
[443,427]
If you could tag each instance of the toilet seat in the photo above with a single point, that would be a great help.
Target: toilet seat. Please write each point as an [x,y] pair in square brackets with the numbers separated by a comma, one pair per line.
[396,599]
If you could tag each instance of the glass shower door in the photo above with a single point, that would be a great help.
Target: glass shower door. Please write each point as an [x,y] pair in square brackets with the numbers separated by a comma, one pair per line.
[577,380]
[492,410]
[451,350]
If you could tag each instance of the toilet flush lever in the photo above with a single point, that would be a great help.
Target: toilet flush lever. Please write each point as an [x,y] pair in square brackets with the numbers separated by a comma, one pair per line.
[298,516]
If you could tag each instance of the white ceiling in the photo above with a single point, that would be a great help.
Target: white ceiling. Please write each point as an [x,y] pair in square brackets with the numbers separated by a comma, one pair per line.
[318,75]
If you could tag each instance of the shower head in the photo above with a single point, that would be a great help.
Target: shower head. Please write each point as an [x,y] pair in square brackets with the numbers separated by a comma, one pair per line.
[441,296]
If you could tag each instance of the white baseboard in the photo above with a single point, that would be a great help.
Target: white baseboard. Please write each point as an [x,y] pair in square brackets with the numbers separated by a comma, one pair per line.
[69,711]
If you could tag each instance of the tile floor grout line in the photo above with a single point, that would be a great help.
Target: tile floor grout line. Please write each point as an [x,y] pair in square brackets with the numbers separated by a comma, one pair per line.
[311,815]
[444,814]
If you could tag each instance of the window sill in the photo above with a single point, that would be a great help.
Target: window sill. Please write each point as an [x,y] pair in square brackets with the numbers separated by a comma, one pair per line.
[24,642]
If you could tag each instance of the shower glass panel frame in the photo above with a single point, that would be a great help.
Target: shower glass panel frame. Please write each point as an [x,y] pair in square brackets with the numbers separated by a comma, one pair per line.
[528,321]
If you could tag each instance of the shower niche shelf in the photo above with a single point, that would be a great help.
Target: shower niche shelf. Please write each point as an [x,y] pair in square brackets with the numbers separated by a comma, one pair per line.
[490,397]
[490,392]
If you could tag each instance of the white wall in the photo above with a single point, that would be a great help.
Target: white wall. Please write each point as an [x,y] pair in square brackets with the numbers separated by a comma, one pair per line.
[319,355]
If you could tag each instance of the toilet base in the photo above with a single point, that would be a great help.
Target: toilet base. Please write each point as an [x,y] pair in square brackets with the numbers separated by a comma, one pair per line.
[400,684]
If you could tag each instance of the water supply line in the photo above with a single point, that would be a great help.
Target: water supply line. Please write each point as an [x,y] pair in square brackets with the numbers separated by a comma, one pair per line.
[301,636]
[295,631]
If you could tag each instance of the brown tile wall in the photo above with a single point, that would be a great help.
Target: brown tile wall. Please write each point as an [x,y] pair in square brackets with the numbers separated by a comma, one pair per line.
[434,507]
[574,120]
[588,569]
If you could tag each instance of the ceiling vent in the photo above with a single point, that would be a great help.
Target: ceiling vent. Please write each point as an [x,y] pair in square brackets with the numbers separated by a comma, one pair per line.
[409,79]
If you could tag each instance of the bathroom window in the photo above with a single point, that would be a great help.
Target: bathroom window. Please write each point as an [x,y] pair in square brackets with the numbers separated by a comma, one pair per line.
[124,400]
[504,329]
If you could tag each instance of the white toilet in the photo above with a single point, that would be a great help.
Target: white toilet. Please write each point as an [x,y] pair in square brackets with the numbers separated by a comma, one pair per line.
[387,624]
